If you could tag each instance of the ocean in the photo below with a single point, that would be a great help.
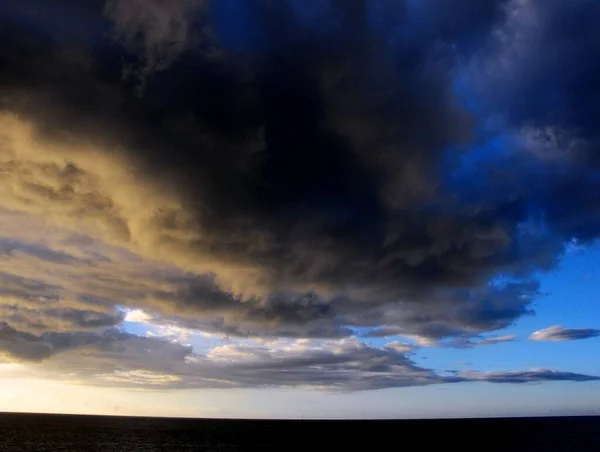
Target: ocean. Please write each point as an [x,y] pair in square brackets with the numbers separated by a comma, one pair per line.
[66,433]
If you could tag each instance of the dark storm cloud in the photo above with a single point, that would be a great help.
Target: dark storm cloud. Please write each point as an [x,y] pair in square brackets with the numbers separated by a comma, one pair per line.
[550,50]
[539,77]
[302,146]
[29,347]
[158,32]
[41,318]
[320,168]
[42,293]
[198,303]
[557,333]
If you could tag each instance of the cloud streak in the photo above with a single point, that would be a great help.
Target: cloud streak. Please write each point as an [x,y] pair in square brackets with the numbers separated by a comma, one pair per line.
[469,343]
[530,376]
[557,333]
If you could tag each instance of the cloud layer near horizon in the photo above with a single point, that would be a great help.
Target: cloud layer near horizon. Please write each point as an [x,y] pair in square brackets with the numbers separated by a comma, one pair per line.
[311,169]
[120,359]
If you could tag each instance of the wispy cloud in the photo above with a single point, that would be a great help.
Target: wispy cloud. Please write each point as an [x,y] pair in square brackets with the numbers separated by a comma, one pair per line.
[528,376]
[557,333]
[470,343]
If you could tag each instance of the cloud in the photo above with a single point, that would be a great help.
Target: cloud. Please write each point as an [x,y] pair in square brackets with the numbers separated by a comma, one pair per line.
[137,316]
[514,75]
[557,333]
[326,221]
[56,281]
[316,182]
[157,32]
[125,360]
[529,376]
[376,166]
[469,343]
[273,142]
[115,358]
[29,347]
[121,359]
[496,340]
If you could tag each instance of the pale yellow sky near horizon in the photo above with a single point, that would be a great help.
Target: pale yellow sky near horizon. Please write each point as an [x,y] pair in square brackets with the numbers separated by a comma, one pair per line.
[20,393]
[31,395]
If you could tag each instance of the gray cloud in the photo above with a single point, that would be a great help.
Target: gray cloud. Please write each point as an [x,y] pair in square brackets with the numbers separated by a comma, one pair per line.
[470,343]
[124,360]
[67,284]
[40,318]
[557,333]
[529,376]
[109,358]
[29,347]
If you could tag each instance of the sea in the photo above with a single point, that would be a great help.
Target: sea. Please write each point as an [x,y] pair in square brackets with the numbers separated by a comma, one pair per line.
[74,433]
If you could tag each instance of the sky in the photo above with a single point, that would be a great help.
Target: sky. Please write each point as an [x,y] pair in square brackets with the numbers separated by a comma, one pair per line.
[300,208]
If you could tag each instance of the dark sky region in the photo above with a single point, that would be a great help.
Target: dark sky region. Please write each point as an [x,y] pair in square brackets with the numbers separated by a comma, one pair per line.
[317,189]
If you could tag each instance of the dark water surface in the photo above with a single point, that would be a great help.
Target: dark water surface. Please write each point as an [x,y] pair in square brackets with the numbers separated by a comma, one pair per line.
[60,433]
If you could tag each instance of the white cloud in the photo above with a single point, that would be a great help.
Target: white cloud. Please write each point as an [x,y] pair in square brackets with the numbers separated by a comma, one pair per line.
[137,316]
